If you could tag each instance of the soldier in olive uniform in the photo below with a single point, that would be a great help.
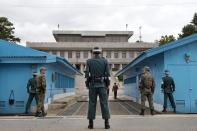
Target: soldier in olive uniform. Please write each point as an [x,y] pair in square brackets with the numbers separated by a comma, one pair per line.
[41,90]
[97,74]
[31,90]
[147,87]
[168,87]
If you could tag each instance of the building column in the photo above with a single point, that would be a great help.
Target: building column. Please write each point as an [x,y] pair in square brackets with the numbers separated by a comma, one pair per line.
[89,54]
[135,54]
[120,54]
[50,52]
[66,54]
[81,68]
[104,54]
[127,54]
[120,66]
[112,55]
[58,53]
[74,54]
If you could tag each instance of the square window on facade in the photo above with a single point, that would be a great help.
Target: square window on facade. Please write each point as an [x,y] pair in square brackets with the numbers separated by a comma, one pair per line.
[62,53]
[116,55]
[77,54]
[123,54]
[108,55]
[85,54]
[131,54]
[54,52]
[70,54]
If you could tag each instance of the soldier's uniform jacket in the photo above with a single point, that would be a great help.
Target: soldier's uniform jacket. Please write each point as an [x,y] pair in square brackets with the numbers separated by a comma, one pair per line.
[96,70]
[31,85]
[115,88]
[41,84]
[147,83]
[168,85]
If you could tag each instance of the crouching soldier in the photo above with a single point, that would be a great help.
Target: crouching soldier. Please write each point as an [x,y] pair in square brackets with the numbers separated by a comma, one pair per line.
[147,87]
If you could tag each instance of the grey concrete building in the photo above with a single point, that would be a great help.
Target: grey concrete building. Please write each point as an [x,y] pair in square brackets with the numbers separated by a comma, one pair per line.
[76,46]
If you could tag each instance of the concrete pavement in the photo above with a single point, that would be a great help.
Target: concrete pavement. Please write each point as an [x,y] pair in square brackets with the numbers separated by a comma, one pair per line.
[118,123]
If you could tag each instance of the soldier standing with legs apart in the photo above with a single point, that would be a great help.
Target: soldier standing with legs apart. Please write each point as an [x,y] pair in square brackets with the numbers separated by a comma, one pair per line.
[31,90]
[168,87]
[147,87]
[97,75]
[41,90]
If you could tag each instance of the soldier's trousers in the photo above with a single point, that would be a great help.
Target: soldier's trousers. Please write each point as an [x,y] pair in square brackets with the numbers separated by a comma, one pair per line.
[30,99]
[171,98]
[102,93]
[40,106]
[150,100]
[115,94]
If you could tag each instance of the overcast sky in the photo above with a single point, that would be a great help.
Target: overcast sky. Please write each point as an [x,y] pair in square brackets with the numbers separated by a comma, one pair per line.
[34,20]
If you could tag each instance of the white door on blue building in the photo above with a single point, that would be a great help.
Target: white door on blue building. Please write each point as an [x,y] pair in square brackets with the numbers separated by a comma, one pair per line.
[185,78]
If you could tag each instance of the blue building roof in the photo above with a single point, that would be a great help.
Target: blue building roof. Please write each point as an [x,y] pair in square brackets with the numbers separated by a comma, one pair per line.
[11,52]
[155,51]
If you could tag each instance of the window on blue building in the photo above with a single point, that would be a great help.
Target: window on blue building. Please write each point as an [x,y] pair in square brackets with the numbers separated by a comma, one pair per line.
[63,81]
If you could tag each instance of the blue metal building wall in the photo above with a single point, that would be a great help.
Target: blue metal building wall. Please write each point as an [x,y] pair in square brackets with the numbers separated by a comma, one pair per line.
[185,76]
[14,77]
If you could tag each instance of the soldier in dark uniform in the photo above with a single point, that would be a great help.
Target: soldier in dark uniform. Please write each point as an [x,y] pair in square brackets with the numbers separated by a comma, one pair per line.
[97,74]
[31,90]
[168,87]
[147,87]
[115,90]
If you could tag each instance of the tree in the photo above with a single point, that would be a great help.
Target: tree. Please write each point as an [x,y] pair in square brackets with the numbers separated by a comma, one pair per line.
[166,39]
[194,20]
[7,30]
[187,30]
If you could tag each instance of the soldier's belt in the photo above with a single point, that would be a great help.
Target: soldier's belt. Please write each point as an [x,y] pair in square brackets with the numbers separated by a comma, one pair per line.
[98,79]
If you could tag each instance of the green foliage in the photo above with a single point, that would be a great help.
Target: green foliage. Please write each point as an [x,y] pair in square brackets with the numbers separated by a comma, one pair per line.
[194,20]
[7,30]
[166,39]
[187,30]
[114,69]
[120,78]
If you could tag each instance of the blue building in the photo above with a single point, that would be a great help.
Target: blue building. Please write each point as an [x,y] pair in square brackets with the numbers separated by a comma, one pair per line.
[180,58]
[17,63]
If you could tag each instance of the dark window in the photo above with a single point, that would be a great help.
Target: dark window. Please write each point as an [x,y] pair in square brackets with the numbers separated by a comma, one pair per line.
[77,54]
[123,54]
[85,54]
[116,55]
[70,54]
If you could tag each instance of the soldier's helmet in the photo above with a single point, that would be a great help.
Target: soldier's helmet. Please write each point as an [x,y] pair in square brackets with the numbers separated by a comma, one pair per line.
[167,72]
[146,68]
[35,74]
[43,68]
[96,50]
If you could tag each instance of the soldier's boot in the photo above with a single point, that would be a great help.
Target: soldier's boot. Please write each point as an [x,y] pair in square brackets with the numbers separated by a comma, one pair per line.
[91,124]
[164,110]
[44,113]
[152,112]
[39,114]
[142,112]
[174,110]
[107,126]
